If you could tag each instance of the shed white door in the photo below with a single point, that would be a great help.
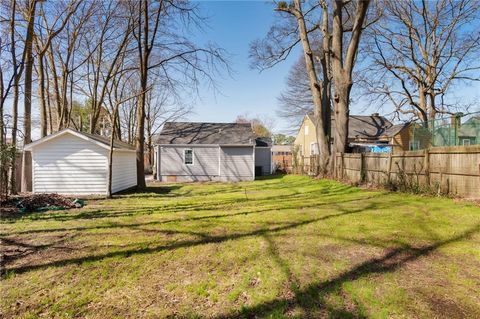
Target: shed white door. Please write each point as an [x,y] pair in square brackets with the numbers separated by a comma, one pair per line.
[69,165]
[236,163]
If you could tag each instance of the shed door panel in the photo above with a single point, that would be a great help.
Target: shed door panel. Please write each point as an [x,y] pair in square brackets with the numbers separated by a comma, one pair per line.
[237,163]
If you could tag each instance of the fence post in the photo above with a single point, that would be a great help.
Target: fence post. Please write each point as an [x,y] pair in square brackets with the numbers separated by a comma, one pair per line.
[362,167]
[342,166]
[389,171]
[426,164]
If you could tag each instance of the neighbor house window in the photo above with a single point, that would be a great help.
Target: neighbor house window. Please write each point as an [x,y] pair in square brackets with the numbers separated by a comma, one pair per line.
[414,145]
[188,157]
[306,129]
[466,141]
[314,149]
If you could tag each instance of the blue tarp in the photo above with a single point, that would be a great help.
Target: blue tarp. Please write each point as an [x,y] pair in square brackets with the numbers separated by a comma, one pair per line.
[380,149]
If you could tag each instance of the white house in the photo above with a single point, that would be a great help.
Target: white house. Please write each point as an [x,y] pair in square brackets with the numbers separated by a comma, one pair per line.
[71,162]
[189,151]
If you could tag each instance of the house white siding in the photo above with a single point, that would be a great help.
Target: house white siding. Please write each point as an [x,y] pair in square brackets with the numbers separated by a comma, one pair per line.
[205,163]
[237,164]
[124,171]
[69,165]
[263,158]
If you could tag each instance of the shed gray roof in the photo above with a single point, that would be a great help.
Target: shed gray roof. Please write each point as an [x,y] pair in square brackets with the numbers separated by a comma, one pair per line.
[206,133]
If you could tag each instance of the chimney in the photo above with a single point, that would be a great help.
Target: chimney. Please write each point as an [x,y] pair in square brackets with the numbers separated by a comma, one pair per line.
[375,114]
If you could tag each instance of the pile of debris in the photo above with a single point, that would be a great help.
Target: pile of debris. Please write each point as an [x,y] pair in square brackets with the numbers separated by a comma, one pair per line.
[40,202]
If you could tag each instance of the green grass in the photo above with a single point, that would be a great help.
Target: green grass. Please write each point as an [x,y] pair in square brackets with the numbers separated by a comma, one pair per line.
[280,247]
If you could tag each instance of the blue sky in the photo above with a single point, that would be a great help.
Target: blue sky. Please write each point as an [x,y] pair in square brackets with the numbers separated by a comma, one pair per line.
[232,26]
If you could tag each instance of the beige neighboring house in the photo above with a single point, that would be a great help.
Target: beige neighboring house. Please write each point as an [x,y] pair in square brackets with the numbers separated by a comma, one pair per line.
[364,133]
[306,141]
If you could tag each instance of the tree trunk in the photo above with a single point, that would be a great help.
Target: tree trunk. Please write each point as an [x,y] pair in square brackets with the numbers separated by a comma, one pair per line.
[41,91]
[13,182]
[343,68]
[341,105]
[27,112]
[110,154]
[323,144]
[144,55]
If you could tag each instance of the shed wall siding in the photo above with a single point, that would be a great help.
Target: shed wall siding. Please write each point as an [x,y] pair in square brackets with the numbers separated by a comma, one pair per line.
[69,165]
[205,162]
[263,158]
[237,164]
[124,171]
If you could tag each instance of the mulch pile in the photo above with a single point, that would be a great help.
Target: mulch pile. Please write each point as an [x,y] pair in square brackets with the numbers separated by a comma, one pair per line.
[38,202]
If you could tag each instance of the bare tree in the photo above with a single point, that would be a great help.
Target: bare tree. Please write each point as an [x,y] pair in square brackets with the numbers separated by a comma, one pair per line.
[43,36]
[278,45]
[420,51]
[27,99]
[296,100]
[176,59]
[343,62]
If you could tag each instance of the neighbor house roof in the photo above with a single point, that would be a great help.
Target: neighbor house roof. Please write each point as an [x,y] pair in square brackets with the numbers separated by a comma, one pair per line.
[206,133]
[364,126]
[263,142]
[97,139]
[282,148]
[395,129]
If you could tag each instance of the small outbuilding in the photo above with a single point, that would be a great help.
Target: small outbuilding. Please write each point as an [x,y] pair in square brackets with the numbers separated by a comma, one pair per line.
[189,151]
[72,162]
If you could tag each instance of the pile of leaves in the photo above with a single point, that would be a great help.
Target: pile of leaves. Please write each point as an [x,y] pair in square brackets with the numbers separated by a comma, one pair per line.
[35,202]
[39,202]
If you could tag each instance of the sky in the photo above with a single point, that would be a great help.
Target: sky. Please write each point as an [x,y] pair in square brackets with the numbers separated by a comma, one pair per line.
[233,25]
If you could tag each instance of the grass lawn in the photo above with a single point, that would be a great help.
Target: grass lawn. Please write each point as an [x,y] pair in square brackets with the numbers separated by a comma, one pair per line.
[280,247]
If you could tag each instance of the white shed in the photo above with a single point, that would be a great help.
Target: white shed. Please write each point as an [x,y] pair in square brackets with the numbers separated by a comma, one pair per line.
[72,162]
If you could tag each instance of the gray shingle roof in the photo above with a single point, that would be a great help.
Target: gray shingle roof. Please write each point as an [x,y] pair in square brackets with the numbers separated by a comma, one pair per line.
[364,126]
[206,133]
[395,129]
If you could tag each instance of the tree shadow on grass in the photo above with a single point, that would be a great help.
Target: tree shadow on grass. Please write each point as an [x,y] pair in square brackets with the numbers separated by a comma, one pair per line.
[199,218]
[157,189]
[181,244]
[316,196]
[312,299]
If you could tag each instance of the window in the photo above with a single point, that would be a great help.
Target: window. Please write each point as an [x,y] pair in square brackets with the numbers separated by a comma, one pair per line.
[414,145]
[314,149]
[466,141]
[306,129]
[188,157]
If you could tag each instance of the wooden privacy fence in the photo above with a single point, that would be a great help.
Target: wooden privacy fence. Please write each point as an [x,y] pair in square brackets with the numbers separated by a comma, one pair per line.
[453,170]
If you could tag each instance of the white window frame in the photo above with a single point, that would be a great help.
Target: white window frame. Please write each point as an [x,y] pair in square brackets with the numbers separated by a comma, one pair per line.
[466,140]
[306,129]
[313,150]
[185,156]
[414,145]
